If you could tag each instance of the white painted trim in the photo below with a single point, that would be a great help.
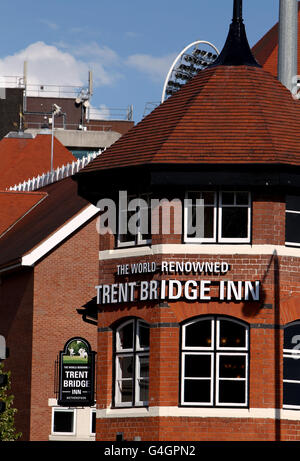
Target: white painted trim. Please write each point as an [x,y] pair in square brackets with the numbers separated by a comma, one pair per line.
[61,234]
[181,412]
[198,249]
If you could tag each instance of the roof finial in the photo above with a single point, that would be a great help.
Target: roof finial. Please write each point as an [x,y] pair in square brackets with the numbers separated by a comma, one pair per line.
[237,10]
[236,51]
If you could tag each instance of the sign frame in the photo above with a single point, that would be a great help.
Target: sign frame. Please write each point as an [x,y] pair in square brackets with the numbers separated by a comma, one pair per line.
[76,374]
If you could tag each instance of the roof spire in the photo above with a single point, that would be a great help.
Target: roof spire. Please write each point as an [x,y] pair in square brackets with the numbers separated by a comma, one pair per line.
[236,51]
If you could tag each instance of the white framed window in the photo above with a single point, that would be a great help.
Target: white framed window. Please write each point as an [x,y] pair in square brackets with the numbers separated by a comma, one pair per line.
[291,366]
[214,362]
[234,216]
[132,364]
[200,217]
[63,421]
[134,221]
[292,221]
[211,217]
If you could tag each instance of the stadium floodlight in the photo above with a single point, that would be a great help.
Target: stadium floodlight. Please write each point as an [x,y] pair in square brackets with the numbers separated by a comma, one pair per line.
[187,64]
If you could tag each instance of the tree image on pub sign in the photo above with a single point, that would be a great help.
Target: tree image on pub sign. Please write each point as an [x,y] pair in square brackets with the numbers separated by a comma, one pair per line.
[77,352]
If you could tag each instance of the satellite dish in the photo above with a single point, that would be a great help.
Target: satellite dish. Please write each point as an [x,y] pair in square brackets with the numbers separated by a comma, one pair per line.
[78,100]
[193,58]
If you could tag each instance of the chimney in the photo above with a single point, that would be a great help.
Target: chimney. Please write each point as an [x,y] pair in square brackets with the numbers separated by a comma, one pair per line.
[288,36]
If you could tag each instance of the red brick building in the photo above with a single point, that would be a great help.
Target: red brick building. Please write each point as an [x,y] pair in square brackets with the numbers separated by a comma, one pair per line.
[199,324]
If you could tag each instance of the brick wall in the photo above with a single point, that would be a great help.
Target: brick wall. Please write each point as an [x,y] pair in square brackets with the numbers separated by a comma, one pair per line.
[63,282]
[16,313]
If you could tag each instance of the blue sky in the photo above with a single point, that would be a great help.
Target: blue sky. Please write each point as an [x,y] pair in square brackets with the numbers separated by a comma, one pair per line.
[129,44]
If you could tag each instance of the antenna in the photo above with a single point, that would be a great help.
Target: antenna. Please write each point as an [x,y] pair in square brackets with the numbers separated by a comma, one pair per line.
[90,82]
[25,73]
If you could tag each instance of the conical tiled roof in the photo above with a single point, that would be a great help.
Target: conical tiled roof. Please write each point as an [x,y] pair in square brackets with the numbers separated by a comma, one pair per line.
[227,114]
[234,112]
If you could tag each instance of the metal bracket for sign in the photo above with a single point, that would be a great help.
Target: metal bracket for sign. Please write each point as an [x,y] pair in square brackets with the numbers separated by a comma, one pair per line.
[76,375]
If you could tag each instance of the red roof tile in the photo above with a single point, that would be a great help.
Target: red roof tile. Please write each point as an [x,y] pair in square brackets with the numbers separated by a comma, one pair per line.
[15,205]
[226,114]
[266,49]
[23,158]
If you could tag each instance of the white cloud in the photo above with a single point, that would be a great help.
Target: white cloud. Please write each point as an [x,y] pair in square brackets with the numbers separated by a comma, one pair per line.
[155,67]
[56,65]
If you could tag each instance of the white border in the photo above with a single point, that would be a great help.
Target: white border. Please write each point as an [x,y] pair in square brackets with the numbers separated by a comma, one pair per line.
[186,412]
[66,410]
[198,249]
[220,210]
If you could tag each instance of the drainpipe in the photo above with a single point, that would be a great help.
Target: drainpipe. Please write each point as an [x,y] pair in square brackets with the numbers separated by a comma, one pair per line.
[287,47]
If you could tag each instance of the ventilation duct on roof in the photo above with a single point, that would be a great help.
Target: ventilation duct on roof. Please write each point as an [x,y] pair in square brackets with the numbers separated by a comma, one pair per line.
[287,48]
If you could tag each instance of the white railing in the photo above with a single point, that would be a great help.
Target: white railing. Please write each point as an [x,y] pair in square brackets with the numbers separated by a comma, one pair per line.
[52,176]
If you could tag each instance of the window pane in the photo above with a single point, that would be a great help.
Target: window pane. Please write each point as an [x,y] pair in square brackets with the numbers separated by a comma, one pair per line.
[199,334]
[291,394]
[208,222]
[209,198]
[232,366]
[292,336]
[242,198]
[200,222]
[144,367]
[145,223]
[231,334]
[232,391]
[124,234]
[198,366]
[195,219]
[126,369]
[291,368]
[292,229]
[143,390]
[63,421]
[293,202]
[144,335]
[196,390]
[227,198]
[126,390]
[126,336]
[234,222]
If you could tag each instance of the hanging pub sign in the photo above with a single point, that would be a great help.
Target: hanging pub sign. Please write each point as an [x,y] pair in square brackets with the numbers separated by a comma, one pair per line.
[76,374]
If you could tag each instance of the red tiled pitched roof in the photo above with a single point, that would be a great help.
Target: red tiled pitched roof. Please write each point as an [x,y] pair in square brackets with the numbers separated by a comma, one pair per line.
[42,221]
[23,158]
[15,205]
[226,114]
[266,49]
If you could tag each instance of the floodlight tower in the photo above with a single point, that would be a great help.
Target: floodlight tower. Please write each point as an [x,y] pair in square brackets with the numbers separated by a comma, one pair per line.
[187,64]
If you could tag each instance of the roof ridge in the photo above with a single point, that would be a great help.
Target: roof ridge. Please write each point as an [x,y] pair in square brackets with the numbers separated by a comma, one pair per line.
[44,196]
[44,179]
